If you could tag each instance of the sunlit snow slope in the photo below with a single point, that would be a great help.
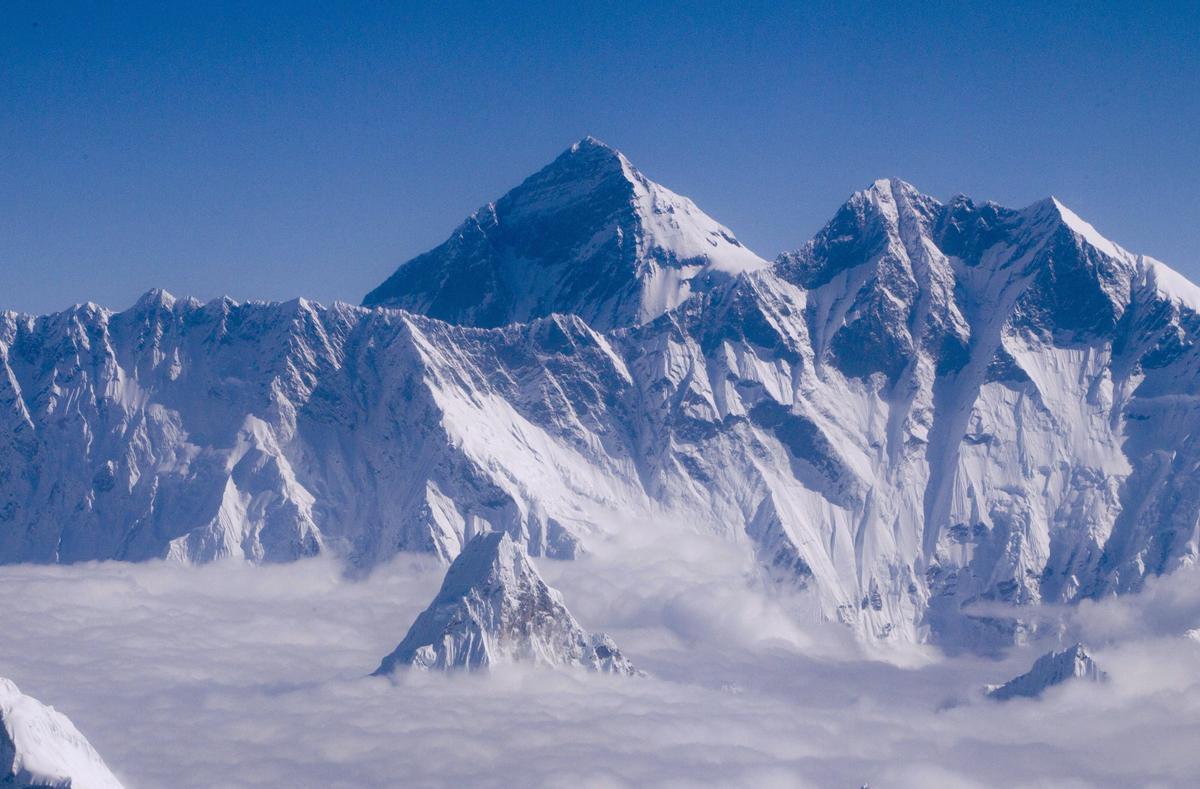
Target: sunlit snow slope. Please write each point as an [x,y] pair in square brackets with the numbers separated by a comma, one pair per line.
[494,608]
[41,749]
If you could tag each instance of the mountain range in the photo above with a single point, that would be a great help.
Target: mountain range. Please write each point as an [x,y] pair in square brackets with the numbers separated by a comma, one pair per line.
[927,412]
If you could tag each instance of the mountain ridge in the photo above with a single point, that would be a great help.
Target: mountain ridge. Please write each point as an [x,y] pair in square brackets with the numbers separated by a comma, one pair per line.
[927,406]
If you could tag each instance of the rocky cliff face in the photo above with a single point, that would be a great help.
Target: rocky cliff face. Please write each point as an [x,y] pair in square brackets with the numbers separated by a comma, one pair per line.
[926,407]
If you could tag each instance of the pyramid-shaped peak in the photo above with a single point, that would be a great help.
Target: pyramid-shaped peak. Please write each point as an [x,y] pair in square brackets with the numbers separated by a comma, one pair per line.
[587,160]
[892,186]
[1057,211]
[494,608]
[1052,668]
[586,235]
[155,298]
[886,192]
[492,555]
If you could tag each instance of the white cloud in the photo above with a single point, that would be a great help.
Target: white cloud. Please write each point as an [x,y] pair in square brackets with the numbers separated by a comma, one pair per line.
[237,676]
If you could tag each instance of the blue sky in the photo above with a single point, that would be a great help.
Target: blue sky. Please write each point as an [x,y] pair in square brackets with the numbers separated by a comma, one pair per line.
[307,149]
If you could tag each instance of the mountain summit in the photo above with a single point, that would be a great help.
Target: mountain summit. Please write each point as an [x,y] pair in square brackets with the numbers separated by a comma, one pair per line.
[1052,668]
[494,608]
[41,749]
[587,235]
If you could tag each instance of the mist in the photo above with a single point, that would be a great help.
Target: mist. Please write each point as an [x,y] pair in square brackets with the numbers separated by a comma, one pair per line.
[228,675]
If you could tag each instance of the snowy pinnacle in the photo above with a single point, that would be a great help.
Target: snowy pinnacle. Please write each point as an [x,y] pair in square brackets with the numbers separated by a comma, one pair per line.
[494,608]
[41,749]
[1052,668]
[587,235]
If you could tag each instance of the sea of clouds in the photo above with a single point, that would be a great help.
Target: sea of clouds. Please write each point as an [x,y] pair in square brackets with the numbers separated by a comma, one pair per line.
[237,676]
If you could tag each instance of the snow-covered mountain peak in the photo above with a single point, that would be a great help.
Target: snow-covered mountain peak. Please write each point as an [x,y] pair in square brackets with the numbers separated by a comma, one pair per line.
[588,234]
[493,608]
[1052,668]
[1086,231]
[893,197]
[155,298]
[598,151]
[890,189]
[490,560]
[41,749]
[927,406]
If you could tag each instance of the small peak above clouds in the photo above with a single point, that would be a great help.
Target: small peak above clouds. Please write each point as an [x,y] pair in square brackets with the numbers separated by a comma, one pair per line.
[494,608]
[41,749]
[1052,668]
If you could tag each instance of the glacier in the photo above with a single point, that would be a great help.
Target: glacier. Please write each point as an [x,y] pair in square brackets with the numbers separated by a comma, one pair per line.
[924,419]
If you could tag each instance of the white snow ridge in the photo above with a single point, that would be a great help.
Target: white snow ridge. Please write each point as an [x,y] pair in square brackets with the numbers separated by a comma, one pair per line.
[41,749]
[494,608]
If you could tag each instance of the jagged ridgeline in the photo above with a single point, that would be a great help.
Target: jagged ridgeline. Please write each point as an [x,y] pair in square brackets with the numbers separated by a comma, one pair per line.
[925,406]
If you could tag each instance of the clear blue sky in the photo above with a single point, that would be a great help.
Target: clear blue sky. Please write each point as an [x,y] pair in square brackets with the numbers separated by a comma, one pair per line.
[307,149]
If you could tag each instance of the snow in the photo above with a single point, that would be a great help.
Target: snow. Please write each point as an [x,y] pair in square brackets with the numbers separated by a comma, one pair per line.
[1170,283]
[588,235]
[40,747]
[924,407]
[1087,232]
[1052,668]
[494,608]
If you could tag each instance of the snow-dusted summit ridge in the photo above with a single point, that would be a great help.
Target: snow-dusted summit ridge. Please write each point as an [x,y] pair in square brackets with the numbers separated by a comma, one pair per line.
[587,235]
[1052,668]
[494,608]
[41,749]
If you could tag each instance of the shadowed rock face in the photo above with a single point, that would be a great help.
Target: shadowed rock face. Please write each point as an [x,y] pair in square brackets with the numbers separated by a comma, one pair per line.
[494,608]
[1052,668]
[41,749]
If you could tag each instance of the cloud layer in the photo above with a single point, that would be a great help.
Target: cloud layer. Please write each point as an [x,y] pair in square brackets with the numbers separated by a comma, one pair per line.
[237,676]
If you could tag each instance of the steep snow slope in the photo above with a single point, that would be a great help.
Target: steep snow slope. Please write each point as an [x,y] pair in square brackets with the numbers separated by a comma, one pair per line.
[41,749]
[1024,392]
[1052,668]
[495,608]
[587,235]
[269,432]
[925,408]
